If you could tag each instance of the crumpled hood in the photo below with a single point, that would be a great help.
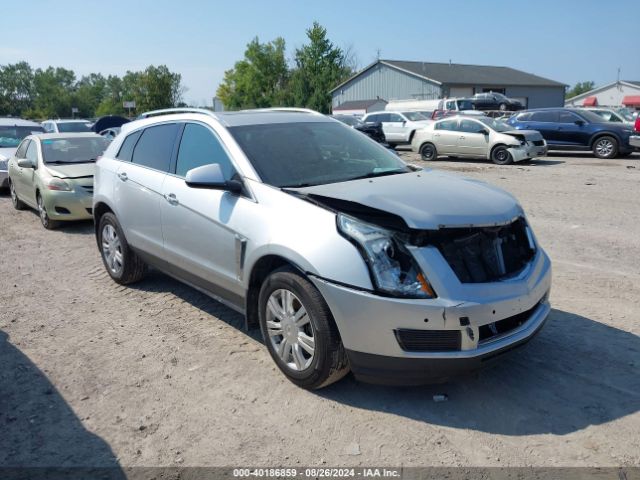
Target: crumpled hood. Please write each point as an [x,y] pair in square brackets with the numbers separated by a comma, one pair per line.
[427,199]
[72,171]
[528,134]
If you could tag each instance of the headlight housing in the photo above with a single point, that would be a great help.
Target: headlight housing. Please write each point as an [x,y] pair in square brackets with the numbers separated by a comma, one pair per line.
[392,267]
[58,184]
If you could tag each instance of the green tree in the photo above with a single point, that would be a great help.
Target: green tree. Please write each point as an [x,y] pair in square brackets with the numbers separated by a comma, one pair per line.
[259,80]
[580,88]
[53,90]
[320,66]
[16,88]
[89,93]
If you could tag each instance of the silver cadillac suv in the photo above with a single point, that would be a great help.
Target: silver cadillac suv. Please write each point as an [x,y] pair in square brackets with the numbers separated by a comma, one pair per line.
[344,256]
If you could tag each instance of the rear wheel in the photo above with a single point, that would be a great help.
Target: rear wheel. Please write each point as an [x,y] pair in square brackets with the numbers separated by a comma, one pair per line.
[17,203]
[122,263]
[502,107]
[501,156]
[44,215]
[299,331]
[428,152]
[605,147]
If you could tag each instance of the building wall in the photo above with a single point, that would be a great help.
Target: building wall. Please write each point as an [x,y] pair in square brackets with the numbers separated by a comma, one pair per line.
[532,97]
[386,83]
[611,96]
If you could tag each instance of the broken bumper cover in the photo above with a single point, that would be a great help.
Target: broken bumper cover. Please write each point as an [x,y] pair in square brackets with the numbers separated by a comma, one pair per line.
[527,152]
[369,323]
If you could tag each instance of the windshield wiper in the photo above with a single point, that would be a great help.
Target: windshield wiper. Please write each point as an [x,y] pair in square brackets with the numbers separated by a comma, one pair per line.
[377,174]
[60,162]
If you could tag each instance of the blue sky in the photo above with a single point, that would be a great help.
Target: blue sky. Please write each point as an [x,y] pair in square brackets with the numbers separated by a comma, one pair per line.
[565,40]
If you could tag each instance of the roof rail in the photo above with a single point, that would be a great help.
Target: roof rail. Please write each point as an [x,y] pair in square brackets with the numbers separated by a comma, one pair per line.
[282,109]
[169,111]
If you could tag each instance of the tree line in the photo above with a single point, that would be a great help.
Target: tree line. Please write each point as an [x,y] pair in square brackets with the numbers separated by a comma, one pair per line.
[263,78]
[53,92]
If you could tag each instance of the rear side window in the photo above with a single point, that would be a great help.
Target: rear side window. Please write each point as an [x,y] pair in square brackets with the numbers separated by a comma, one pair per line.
[200,146]
[126,150]
[544,117]
[155,147]
[394,117]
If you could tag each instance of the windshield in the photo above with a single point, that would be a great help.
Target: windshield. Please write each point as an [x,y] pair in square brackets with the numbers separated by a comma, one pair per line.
[313,153]
[73,150]
[496,125]
[11,136]
[69,127]
[627,114]
[415,116]
[351,121]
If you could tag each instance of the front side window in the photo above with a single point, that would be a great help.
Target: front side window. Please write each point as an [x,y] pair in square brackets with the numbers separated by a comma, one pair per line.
[73,150]
[395,118]
[200,146]
[155,147]
[373,118]
[313,153]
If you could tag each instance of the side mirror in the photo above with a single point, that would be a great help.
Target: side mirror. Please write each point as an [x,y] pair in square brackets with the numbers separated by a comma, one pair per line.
[484,131]
[579,122]
[25,163]
[211,176]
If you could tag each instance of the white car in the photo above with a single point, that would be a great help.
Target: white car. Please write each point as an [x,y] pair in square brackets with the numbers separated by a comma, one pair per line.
[398,127]
[66,126]
[12,131]
[611,115]
[478,137]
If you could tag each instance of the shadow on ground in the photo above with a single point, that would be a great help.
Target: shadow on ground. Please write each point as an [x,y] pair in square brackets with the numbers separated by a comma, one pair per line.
[39,429]
[576,373]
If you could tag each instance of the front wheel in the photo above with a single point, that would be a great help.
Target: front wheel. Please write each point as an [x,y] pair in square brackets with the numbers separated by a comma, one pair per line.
[605,147]
[122,263]
[502,107]
[428,152]
[299,331]
[501,156]
[15,201]
[44,215]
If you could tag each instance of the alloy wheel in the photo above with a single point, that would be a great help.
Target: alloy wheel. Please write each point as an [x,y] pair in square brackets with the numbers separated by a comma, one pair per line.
[604,147]
[290,330]
[14,195]
[112,249]
[42,211]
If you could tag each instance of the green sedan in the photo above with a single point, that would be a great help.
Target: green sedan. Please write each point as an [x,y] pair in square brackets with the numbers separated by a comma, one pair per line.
[53,173]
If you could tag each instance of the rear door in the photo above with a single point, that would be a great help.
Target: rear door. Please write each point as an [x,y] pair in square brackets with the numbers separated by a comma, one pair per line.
[138,191]
[445,136]
[199,225]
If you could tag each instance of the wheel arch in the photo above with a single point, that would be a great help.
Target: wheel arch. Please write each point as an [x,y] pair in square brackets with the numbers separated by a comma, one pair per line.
[99,209]
[597,136]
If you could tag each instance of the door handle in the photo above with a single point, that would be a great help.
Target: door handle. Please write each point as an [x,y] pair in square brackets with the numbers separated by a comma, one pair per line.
[461,137]
[436,134]
[123,176]
[171,198]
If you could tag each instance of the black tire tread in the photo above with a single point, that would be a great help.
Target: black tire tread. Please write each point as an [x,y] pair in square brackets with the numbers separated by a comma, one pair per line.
[19,205]
[337,364]
[134,268]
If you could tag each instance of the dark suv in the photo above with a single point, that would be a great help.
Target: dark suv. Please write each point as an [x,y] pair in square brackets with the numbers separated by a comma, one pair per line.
[572,129]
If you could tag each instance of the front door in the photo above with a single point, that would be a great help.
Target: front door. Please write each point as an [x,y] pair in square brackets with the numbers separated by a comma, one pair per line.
[471,141]
[201,240]
[25,186]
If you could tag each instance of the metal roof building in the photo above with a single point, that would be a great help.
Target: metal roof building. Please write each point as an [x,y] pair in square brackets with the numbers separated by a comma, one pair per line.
[404,80]
[624,92]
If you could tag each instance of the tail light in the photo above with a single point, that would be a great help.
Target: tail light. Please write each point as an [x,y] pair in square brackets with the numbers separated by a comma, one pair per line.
[636,126]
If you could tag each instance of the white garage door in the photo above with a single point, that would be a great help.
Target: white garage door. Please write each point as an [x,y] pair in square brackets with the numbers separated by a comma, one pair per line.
[457,92]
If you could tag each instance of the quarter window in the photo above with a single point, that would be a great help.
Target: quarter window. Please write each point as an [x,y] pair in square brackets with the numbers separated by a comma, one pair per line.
[155,147]
[126,150]
[200,146]
[22,149]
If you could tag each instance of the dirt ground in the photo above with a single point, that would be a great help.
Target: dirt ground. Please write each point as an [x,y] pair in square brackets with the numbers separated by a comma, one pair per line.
[95,374]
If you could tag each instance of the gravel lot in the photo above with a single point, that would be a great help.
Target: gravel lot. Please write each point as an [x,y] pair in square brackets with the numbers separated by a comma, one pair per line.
[96,374]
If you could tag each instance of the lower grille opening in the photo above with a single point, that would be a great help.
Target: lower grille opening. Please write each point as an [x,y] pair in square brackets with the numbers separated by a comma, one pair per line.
[411,340]
[506,325]
[62,210]
[538,143]
[90,211]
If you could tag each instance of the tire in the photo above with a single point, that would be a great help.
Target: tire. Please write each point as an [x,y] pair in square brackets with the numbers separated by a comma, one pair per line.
[44,216]
[501,156]
[123,265]
[284,293]
[15,201]
[605,147]
[502,107]
[428,152]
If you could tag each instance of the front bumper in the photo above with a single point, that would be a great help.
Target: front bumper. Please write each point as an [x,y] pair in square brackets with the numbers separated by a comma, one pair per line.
[74,205]
[634,141]
[368,323]
[527,152]
[4,179]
